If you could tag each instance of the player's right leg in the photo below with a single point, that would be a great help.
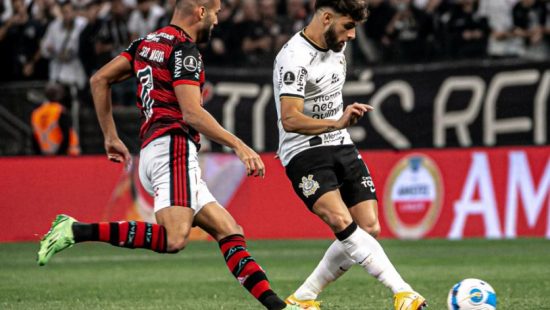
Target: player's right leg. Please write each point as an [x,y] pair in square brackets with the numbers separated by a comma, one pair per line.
[163,171]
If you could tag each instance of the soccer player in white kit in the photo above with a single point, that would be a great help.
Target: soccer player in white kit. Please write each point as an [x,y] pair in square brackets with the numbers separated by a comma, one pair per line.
[321,161]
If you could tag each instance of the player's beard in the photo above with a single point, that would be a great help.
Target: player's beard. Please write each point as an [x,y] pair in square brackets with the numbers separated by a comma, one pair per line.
[331,40]
[204,33]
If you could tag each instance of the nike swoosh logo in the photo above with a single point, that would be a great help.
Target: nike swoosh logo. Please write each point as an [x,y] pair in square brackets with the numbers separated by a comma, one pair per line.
[319,79]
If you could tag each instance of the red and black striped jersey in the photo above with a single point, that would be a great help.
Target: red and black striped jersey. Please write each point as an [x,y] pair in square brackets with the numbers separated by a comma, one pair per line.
[162,60]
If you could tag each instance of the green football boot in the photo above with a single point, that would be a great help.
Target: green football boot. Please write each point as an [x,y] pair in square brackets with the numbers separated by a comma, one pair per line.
[59,237]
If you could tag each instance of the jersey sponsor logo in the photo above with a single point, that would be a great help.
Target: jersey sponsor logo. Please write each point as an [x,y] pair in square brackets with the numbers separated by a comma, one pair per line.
[301,79]
[155,37]
[330,137]
[325,98]
[325,110]
[413,196]
[144,52]
[319,79]
[178,64]
[157,56]
[309,186]
[289,78]
[190,63]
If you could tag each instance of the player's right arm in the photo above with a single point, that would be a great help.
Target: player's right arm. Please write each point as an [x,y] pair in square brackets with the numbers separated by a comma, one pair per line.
[117,70]
[294,120]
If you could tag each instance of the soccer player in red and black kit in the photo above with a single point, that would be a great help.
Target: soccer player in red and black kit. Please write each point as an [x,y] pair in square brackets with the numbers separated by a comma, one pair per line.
[170,75]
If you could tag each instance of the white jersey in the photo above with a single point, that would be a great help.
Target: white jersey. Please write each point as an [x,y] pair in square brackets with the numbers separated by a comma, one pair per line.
[304,70]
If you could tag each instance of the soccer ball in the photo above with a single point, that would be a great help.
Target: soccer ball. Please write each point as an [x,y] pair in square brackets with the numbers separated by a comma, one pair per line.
[472,294]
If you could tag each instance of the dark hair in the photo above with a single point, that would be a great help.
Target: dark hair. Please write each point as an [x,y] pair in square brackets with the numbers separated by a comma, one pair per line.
[356,9]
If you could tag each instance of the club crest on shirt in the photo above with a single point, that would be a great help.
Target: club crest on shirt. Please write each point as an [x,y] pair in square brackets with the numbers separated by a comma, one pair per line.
[309,186]
[289,78]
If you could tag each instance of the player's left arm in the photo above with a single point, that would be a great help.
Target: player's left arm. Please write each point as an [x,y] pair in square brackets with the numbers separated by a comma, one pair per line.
[117,70]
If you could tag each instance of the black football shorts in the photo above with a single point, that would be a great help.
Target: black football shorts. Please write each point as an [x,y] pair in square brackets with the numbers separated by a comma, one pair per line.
[322,169]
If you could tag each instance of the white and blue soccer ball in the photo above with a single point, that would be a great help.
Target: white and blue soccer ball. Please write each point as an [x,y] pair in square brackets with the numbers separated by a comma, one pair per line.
[472,294]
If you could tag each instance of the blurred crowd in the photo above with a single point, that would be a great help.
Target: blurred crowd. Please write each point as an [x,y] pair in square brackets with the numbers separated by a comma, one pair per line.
[66,41]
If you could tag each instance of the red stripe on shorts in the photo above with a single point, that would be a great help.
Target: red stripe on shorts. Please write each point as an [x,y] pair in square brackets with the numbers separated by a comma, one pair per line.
[179,165]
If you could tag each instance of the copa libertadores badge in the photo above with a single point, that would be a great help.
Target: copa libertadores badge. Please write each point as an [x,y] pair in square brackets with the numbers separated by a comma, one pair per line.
[309,186]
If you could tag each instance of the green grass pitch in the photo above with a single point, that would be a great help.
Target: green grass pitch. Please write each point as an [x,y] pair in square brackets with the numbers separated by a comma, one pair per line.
[99,276]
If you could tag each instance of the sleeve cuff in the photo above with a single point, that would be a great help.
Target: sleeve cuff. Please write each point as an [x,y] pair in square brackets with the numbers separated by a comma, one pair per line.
[185,82]
[127,56]
[291,95]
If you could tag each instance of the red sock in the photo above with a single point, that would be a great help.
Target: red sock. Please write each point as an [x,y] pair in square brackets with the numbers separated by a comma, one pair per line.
[248,272]
[123,234]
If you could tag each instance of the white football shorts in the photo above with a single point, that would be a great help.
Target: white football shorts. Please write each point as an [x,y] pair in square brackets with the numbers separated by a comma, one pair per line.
[169,170]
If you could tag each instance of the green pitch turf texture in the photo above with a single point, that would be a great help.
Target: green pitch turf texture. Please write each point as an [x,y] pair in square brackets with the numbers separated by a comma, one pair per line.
[99,276]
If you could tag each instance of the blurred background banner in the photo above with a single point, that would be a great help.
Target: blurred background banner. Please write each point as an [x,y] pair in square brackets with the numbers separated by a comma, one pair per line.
[417,106]
[425,193]
[499,103]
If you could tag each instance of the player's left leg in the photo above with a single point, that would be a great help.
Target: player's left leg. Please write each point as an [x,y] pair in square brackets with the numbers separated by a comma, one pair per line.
[336,262]
[216,221]
[66,231]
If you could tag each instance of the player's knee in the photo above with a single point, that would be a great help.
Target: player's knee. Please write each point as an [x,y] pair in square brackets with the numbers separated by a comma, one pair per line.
[373,230]
[338,222]
[228,229]
[176,244]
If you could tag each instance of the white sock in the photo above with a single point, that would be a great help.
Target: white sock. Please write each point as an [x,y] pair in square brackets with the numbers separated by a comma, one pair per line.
[368,253]
[333,265]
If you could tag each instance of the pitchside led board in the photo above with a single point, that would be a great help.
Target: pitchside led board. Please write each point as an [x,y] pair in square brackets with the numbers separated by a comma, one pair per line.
[450,193]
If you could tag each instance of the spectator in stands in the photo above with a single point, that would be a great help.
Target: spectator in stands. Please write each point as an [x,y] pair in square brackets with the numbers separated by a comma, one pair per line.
[469,31]
[164,20]
[51,125]
[87,50]
[409,32]
[503,41]
[112,39]
[295,18]
[60,46]
[144,18]
[20,35]
[529,21]
[255,41]
[376,42]
[224,45]
[44,11]
[428,6]
[272,23]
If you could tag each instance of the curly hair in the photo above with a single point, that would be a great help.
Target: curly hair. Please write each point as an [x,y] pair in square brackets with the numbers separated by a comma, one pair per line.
[356,9]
